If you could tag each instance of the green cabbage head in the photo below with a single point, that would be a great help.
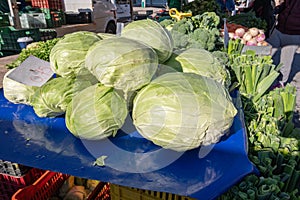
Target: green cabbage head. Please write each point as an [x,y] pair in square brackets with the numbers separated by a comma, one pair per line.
[96,112]
[122,63]
[17,92]
[52,99]
[68,55]
[153,34]
[181,111]
[202,62]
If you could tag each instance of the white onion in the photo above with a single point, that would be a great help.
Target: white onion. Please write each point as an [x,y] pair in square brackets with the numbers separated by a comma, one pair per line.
[253,31]
[231,35]
[240,32]
[247,36]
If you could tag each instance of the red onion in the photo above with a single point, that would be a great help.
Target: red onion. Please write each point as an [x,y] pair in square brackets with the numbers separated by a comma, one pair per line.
[260,37]
[252,42]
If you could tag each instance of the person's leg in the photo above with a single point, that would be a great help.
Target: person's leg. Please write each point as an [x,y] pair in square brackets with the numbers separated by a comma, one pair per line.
[290,43]
[286,59]
[275,41]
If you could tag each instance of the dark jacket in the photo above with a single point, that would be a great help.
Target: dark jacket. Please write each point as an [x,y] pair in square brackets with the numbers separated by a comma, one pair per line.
[289,17]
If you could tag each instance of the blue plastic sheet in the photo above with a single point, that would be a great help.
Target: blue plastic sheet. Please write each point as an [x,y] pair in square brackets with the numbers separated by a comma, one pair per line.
[202,173]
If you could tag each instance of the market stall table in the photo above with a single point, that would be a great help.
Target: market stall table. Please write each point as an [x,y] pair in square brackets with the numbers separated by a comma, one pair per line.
[45,143]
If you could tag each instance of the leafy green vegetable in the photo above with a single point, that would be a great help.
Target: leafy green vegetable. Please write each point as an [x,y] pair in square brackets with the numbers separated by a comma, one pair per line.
[198,7]
[201,62]
[248,19]
[254,73]
[199,31]
[17,92]
[100,161]
[96,112]
[67,57]
[274,142]
[181,111]
[122,63]
[39,49]
[207,20]
[153,34]
[52,98]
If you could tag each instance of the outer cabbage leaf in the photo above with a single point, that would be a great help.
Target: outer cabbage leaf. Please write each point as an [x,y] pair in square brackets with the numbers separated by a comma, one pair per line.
[153,34]
[52,98]
[96,112]
[181,111]
[68,55]
[202,62]
[16,92]
[122,63]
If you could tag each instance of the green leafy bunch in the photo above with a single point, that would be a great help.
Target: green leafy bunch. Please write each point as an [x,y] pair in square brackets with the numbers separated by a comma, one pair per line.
[39,49]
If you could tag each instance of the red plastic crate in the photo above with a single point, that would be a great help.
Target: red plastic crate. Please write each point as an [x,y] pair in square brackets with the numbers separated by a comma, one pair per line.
[10,184]
[49,184]
[101,192]
[50,4]
[42,188]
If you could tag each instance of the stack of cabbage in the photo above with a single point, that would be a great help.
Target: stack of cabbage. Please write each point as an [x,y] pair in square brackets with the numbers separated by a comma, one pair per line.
[180,101]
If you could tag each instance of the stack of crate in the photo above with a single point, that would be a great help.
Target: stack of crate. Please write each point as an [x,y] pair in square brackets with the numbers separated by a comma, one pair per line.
[53,10]
[9,38]
[14,176]
[33,20]
[4,19]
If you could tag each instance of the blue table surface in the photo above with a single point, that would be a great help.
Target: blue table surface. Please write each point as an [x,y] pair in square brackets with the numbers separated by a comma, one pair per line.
[45,143]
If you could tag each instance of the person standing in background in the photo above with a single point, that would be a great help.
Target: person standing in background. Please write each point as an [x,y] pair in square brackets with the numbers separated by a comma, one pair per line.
[227,6]
[285,37]
[285,40]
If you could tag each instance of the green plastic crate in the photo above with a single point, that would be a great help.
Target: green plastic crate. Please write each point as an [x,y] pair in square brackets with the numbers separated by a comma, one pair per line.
[4,20]
[48,34]
[53,18]
[9,37]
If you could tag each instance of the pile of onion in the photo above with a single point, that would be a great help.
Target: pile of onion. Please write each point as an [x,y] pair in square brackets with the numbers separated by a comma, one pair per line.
[252,37]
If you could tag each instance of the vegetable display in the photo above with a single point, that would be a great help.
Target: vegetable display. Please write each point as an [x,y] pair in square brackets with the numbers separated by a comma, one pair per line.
[68,55]
[249,36]
[96,112]
[274,142]
[181,111]
[175,105]
[122,63]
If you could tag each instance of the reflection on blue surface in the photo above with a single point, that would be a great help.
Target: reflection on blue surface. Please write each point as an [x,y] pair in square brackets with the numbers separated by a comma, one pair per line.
[132,160]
